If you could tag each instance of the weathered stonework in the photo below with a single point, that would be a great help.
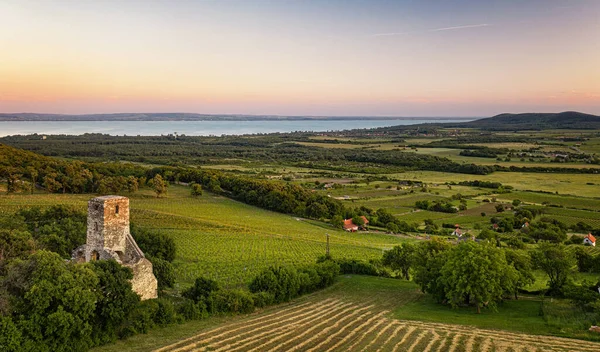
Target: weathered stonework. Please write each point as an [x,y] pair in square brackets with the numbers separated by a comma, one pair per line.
[108,237]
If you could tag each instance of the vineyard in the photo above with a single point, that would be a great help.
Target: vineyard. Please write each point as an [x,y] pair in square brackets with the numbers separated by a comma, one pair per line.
[226,240]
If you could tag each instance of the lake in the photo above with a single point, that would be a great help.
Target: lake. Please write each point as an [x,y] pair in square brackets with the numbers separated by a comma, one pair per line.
[196,128]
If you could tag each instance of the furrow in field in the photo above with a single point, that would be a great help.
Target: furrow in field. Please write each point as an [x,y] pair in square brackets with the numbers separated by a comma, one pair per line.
[510,336]
[447,340]
[408,335]
[433,341]
[391,337]
[454,342]
[279,313]
[469,343]
[250,336]
[260,322]
[323,332]
[321,345]
[278,333]
[416,342]
[347,338]
[366,333]
[379,335]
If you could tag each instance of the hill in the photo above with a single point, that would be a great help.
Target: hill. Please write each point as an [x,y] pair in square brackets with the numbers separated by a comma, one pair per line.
[536,121]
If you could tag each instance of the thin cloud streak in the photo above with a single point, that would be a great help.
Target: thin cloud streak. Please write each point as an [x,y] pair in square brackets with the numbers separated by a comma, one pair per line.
[432,30]
[461,27]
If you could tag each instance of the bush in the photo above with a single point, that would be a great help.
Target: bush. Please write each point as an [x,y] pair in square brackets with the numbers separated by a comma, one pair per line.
[233,301]
[154,244]
[201,290]
[262,299]
[283,283]
[191,310]
[141,320]
[164,273]
[353,266]
[165,313]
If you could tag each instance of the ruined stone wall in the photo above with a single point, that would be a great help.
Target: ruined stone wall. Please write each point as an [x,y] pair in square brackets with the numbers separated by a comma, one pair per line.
[144,283]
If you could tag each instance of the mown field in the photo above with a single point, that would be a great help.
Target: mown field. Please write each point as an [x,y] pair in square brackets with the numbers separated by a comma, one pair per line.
[365,314]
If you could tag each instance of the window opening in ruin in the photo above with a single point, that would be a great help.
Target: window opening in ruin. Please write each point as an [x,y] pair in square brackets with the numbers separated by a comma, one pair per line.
[95,226]
[95,256]
[117,210]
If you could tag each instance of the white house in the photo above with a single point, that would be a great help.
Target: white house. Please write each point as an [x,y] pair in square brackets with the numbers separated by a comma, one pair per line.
[589,240]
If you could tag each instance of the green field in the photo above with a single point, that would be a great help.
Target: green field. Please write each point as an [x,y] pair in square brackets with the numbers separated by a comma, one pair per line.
[224,239]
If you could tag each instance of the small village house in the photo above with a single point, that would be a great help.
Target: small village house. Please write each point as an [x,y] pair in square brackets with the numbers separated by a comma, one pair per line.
[352,227]
[589,240]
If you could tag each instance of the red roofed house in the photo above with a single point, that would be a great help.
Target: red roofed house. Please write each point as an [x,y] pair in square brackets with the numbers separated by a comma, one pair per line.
[352,227]
[457,232]
[589,240]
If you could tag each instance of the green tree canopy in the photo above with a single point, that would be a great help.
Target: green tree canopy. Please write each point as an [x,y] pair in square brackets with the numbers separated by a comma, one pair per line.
[477,273]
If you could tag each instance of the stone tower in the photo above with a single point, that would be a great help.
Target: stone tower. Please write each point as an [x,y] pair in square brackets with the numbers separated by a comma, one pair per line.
[108,237]
[107,227]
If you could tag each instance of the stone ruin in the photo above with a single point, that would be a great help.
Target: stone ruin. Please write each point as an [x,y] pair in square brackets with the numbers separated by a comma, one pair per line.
[108,237]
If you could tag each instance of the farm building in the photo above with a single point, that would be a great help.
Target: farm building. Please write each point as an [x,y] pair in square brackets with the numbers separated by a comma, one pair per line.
[457,231]
[589,240]
[352,227]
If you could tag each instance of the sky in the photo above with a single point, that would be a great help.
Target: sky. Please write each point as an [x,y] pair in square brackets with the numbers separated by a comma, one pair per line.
[283,57]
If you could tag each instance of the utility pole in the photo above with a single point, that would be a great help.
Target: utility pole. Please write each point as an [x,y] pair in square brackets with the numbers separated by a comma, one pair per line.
[327,248]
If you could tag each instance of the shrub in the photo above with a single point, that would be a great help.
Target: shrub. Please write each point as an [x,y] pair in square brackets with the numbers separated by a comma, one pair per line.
[191,310]
[262,299]
[165,313]
[353,266]
[164,273]
[283,283]
[201,289]
[154,244]
[233,301]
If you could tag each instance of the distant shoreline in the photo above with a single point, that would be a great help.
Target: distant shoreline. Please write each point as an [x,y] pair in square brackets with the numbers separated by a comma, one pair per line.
[4,117]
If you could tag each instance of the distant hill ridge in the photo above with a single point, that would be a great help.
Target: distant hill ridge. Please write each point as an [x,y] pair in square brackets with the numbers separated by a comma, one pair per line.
[536,121]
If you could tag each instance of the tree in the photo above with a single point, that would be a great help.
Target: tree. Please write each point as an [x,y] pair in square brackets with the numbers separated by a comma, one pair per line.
[201,289]
[195,189]
[392,227]
[557,262]
[400,258]
[499,208]
[154,244]
[358,221]
[522,264]
[115,299]
[337,221]
[516,202]
[159,185]
[132,184]
[53,302]
[476,272]
[428,261]
[164,273]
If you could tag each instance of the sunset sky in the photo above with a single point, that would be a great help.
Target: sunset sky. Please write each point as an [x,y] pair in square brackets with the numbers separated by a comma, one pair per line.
[371,57]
